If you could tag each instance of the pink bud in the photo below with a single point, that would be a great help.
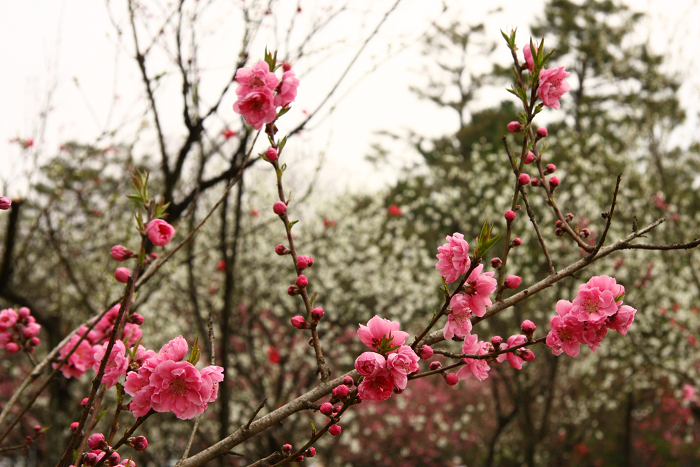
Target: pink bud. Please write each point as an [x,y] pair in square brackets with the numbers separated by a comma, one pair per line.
[37,427]
[5,203]
[515,126]
[97,441]
[341,391]
[90,459]
[335,430]
[271,154]
[299,322]
[535,182]
[304,261]
[293,291]
[299,458]
[302,281]
[496,341]
[524,179]
[496,263]
[425,352]
[137,319]
[281,250]
[121,253]
[585,233]
[528,327]
[559,232]
[12,347]
[509,215]
[114,458]
[559,224]
[451,379]
[527,355]
[74,426]
[279,207]
[287,448]
[513,282]
[122,274]
[435,366]
[554,182]
[311,452]
[221,265]
[24,312]
[317,313]
[348,381]
[550,169]
[516,242]
[529,157]
[542,132]
[569,217]
[326,409]
[286,66]
[84,402]
[140,443]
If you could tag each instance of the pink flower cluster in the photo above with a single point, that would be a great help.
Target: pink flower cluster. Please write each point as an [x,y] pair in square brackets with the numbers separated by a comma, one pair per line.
[453,257]
[389,365]
[596,308]
[260,92]
[474,366]
[165,383]
[552,86]
[85,356]
[474,300]
[18,330]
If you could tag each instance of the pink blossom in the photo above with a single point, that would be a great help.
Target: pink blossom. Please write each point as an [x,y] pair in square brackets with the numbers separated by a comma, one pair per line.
[552,86]
[378,328]
[116,365]
[121,253]
[688,391]
[8,318]
[132,333]
[453,257]
[287,90]
[79,361]
[378,387]
[623,319]
[174,350]
[211,377]
[514,360]
[394,210]
[159,232]
[458,320]
[257,107]
[595,300]
[527,53]
[255,78]
[565,335]
[513,282]
[370,363]
[478,288]
[478,368]
[401,364]
[5,203]
[137,385]
[178,389]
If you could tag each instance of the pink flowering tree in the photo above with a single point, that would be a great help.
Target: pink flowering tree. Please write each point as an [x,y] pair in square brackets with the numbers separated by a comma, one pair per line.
[135,387]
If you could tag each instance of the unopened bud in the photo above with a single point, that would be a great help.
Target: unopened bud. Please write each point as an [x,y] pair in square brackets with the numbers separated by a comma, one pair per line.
[529,157]
[496,263]
[299,458]
[435,366]
[341,392]
[302,281]
[523,179]
[425,352]
[304,261]
[559,232]
[496,342]
[311,452]
[271,154]
[299,322]
[281,250]
[114,458]
[550,169]
[348,381]
[279,208]
[535,182]
[287,449]
[515,126]
[569,217]
[513,282]
[554,182]
[528,328]
[559,224]
[317,313]
[90,459]
[137,319]
[293,290]
[335,430]
[542,132]
[585,233]
[326,409]
[509,215]
[451,379]
[74,426]
[516,242]
[527,355]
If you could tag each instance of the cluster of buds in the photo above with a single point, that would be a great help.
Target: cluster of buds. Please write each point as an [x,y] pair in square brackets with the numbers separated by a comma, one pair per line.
[18,330]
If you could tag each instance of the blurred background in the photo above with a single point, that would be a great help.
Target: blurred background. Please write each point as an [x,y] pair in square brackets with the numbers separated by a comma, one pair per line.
[395,142]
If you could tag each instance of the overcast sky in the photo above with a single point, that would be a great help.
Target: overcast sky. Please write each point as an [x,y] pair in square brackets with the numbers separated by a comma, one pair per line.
[68,49]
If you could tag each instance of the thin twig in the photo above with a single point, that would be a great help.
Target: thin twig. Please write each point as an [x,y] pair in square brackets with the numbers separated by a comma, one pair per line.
[252,417]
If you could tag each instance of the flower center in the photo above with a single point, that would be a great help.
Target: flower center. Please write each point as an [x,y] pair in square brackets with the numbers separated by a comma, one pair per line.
[178,387]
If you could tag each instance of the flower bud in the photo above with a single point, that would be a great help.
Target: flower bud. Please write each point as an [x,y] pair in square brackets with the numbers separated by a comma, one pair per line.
[304,261]
[137,319]
[97,441]
[114,458]
[496,263]
[84,402]
[279,208]
[287,449]
[122,274]
[509,215]
[121,253]
[554,182]
[496,342]
[527,355]
[326,409]
[559,232]
[317,313]
[341,392]
[140,443]
[293,290]
[451,379]
[5,203]
[542,132]
[569,217]
[23,312]
[299,458]
[74,426]
[528,327]
[90,459]
[523,179]
[37,428]
[281,250]
[535,182]
[513,282]
[348,381]
[529,157]
[435,366]
[299,322]
[271,154]
[311,452]
[12,347]
[302,281]
[286,66]
[335,430]
[34,341]
[515,126]
[221,265]
[585,233]
[516,242]
[550,169]
[337,408]
[559,224]
[425,352]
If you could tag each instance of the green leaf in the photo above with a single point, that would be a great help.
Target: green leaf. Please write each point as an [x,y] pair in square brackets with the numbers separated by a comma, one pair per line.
[313,428]
[282,144]
[196,352]
[283,111]
[102,413]
[291,224]
[487,245]
[313,299]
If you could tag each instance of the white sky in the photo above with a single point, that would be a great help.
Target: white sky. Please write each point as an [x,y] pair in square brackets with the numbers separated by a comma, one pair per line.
[71,44]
